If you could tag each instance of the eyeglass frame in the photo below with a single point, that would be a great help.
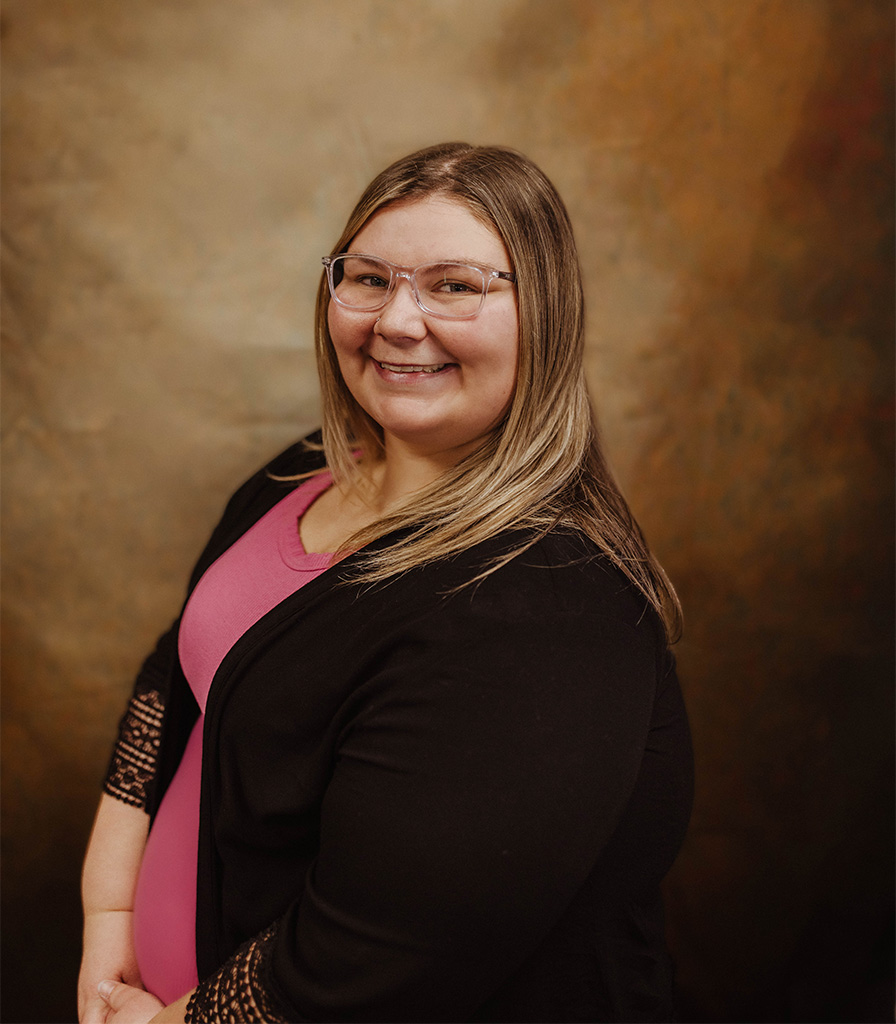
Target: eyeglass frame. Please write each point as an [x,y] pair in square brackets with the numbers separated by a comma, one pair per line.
[489,274]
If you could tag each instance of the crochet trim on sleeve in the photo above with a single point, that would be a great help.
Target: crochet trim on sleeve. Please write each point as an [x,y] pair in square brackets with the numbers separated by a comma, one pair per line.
[235,993]
[134,758]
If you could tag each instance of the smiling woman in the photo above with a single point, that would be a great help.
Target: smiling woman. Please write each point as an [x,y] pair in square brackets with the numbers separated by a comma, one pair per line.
[415,749]
[435,384]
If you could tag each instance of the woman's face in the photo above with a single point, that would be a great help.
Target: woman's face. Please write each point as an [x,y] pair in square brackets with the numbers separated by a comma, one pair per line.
[435,386]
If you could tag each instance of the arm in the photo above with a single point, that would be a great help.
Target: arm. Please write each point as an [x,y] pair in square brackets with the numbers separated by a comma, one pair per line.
[466,810]
[121,827]
[107,886]
[481,770]
[115,850]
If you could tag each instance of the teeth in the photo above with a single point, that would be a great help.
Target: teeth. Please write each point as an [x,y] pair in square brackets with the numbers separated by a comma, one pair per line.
[395,368]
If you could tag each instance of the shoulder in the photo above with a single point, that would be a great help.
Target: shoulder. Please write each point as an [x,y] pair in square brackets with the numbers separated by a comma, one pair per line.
[257,495]
[299,458]
[558,618]
[560,594]
[304,456]
[563,572]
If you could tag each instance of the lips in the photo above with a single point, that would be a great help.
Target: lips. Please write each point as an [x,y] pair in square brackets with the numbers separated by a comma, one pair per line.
[411,368]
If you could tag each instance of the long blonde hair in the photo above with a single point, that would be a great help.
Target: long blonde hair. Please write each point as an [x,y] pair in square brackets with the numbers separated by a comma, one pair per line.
[542,467]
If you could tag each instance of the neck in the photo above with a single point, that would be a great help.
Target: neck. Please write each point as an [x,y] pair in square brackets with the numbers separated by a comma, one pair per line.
[404,471]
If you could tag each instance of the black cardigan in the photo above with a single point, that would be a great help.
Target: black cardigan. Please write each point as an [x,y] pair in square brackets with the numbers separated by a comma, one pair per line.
[428,804]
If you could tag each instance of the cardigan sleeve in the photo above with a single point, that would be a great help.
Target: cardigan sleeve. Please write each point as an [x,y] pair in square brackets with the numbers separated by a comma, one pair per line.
[138,752]
[132,769]
[237,992]
[490,754]
[140,749]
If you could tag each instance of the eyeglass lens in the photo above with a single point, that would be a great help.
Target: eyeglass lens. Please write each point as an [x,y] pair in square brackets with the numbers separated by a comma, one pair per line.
[446,289]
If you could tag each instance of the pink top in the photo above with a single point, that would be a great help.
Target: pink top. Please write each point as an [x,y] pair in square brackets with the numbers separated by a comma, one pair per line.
[265,566]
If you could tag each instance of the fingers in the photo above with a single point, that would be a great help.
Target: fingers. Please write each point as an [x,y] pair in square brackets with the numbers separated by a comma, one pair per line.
[108,992]
[126,1004]
[94,1011]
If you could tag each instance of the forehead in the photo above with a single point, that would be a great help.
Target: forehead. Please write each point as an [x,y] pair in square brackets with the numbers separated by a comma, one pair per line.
[428,230]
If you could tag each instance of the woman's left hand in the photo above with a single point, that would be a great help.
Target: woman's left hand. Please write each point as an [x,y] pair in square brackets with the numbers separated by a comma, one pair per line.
[128,1005]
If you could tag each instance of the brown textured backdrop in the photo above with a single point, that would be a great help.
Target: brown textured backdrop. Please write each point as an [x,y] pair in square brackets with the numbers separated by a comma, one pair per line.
[174,168]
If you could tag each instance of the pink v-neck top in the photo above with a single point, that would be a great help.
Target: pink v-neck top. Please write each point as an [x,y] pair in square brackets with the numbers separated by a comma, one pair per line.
[265,566]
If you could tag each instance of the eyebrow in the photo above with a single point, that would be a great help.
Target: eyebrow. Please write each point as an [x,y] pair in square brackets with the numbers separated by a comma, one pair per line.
[428,263]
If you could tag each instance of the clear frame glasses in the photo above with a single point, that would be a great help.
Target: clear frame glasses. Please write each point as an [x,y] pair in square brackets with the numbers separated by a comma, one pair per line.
[454,291]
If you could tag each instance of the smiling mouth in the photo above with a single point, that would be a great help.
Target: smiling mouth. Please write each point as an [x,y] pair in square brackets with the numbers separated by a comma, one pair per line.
[406,368]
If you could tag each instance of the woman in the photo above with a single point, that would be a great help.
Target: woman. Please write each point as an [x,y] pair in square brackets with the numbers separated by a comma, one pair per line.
[444,762]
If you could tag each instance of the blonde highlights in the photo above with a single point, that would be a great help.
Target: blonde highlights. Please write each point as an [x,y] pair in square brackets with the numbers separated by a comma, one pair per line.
[542,467]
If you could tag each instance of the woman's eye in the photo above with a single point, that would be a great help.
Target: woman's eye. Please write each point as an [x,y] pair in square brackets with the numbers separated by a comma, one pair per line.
[372,281]
[455,287]
[457,283]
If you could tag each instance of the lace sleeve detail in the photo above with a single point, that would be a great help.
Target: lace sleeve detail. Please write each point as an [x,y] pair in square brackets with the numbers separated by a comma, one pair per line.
[134,758]
[236,993]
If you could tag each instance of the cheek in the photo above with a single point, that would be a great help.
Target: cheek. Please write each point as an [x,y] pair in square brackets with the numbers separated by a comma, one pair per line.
[336,326]
[348,331]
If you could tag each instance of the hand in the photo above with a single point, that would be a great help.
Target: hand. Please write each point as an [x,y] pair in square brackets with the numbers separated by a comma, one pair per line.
[127,1004]
[108,955]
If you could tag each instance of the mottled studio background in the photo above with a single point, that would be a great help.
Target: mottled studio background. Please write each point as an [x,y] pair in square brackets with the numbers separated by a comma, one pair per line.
[173,171]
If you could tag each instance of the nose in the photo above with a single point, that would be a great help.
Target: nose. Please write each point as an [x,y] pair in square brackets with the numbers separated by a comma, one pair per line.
[402,317]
